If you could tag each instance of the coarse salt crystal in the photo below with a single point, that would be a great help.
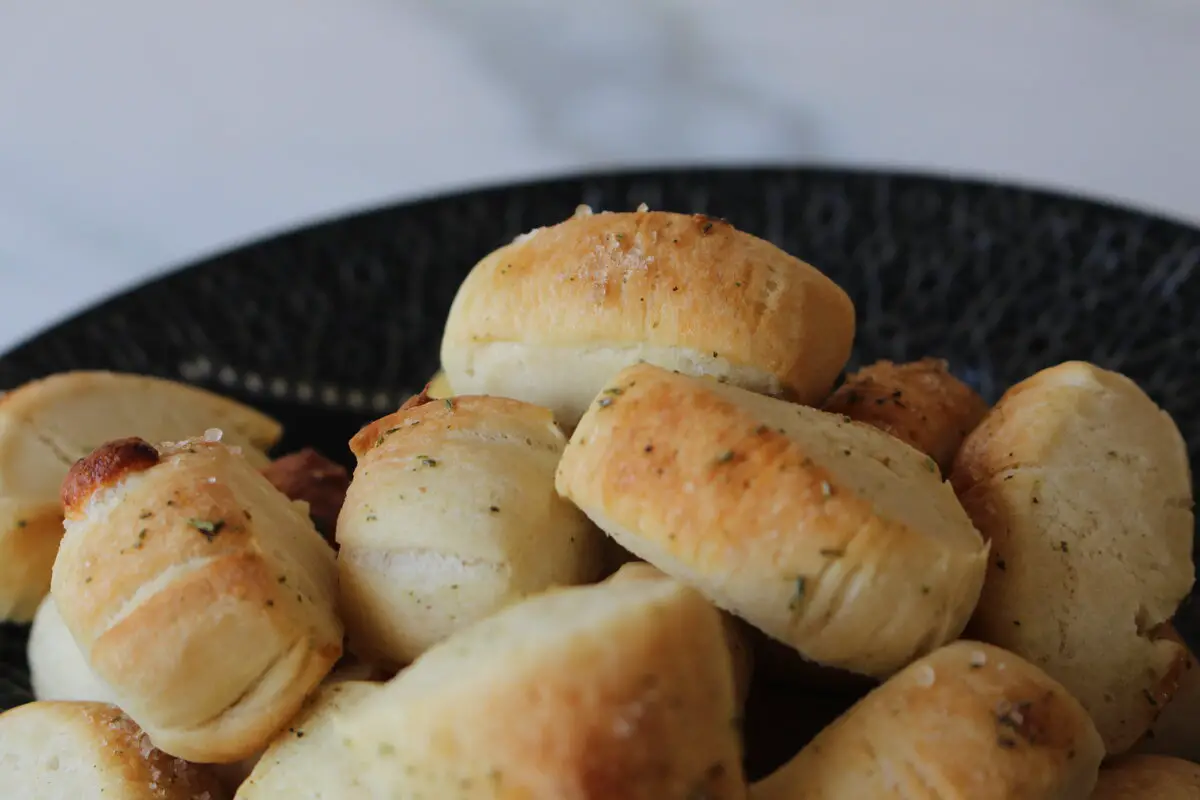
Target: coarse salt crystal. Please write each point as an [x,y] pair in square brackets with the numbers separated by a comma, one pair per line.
[642,208]
[583,210]
[925,676]
[213,435]
[978,658]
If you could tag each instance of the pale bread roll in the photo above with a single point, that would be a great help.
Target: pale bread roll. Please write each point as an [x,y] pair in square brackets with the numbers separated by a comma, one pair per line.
[740,652]
[1148,778]
[47,424]
[617,690]
[554,315]
[828,535]
[967,722]
[198,592]
[1082,486]
[79,751]
[919,402]
[57,668]
[451,515]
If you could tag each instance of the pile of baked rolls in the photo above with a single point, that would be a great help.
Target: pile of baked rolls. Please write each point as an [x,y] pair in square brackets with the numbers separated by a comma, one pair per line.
[559,571]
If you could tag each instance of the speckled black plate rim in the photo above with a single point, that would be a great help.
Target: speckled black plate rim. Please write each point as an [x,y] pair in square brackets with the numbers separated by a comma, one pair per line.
[826,170]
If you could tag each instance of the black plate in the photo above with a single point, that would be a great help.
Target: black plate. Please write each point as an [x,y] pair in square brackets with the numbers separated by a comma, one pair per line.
[334,324]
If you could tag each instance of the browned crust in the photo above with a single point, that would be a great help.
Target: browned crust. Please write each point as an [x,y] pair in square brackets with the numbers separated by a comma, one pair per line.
[920,403]
[663,279]
[431,413]
[105,466]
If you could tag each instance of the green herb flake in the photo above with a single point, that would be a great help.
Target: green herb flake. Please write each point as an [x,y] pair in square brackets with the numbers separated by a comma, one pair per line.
[210,528]
[448,403]
[826,489]
[930,464]
[726,457]
[604,402]
[426,461]
[21,523]
[833,552]
[146,515]
[494,509]
[797,600]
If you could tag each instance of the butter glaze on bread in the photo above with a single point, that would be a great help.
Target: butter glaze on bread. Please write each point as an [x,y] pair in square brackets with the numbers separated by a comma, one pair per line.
[198,592]
[452,515]
[76,750]
[967,722]
[1148,778]
[47,424]
[828,535]
[552,316]
[617,690]
[920,403]
[1082,486]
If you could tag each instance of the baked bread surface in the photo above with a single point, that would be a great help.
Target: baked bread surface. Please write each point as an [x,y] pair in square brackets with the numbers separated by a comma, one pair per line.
[46,425]
[198,592]
[81,750]
[57,668]
[919,402]
[1082,486]
[967,722]
[552,316]
[452,515]
[1148,778]
[828,535]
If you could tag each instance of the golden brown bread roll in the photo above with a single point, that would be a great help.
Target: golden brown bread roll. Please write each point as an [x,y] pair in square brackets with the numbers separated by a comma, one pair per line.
[1082,486]
[1148,778]
[828,535]
[197,591]
[47,424]
[61,750]
[451,515]
[57,669]
[617,690]
[967,722]
[554,315]
[740,653]
[920,403]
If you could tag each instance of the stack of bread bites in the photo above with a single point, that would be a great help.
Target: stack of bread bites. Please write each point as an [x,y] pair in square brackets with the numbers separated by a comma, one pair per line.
[555,569]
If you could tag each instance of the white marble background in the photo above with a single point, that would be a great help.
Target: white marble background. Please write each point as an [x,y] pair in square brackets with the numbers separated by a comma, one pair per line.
[138,134]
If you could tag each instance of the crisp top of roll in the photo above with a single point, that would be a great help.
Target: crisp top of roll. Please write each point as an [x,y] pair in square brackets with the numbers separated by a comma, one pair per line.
[826,534]
[659,279]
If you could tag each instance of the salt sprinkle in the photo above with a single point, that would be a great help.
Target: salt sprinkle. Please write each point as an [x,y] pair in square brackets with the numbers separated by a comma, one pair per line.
[213,435]
[643,208]
[925,675]
[583,210]
[978,659]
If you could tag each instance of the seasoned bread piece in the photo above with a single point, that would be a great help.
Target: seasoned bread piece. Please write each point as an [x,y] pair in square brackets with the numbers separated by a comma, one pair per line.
[740,653]
[1082,486]
[452,515]
[554,315]
[920,403]
[80,751]
[198,592]
[57,669]
[828,535]
[47,424]
[617,690]
[1148,778]
[967,722]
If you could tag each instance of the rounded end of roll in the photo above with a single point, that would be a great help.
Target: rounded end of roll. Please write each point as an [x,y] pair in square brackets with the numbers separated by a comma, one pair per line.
[105,466]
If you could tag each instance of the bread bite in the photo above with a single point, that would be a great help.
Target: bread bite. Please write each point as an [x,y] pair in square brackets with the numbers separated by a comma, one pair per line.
[452,515]
[967,722]
[920,403]
[1148,778]
[57,668]
[1081,484]
[622,690]
[197,591]
[828,535]
[550,318]
[84,750]
[47,424]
